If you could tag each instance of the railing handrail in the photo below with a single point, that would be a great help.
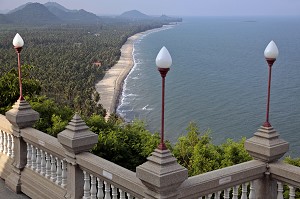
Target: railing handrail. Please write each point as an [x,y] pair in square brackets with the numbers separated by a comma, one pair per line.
[221,179]
[112,173]
[286,173]
[5,125]
[43,141]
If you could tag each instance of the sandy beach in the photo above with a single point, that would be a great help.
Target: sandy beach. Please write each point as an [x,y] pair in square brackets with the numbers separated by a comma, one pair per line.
[110,87]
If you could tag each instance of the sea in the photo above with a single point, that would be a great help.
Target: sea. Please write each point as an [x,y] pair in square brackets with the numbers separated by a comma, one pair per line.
[218,78]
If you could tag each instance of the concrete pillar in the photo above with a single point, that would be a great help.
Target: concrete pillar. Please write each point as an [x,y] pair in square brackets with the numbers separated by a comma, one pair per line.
[20,116]
[266,146]
[76,138]
[162,175]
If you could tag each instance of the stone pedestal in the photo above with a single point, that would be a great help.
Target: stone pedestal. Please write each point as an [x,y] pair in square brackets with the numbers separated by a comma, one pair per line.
[266,146]
[162,175]
[76,138]
[20,116]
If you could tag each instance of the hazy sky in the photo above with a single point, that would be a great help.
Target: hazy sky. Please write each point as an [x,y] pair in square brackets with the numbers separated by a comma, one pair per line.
[176,7]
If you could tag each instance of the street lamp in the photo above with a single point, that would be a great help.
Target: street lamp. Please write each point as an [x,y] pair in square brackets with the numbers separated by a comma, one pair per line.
[163,62]
[271,53]
[18,44]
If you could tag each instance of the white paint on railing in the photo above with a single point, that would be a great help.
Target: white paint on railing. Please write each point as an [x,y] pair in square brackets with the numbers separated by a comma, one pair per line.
[4,142]
[95,188]
[279,190]
[292,193]
[33,158]
[235,192]
[7,144]
[100,188]
[107,190]
[1,141]
[244,191]
[252,194]
[47,165]
[86,185]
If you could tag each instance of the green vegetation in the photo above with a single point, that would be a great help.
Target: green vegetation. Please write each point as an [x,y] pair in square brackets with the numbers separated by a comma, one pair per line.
[63,57]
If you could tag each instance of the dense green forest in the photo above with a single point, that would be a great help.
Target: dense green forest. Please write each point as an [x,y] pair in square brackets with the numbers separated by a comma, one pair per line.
[63,57]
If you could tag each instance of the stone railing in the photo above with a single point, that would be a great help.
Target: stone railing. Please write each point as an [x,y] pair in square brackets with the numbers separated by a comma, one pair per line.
[42,166]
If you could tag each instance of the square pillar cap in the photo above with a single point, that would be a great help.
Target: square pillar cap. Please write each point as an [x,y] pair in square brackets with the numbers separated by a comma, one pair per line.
[77,137]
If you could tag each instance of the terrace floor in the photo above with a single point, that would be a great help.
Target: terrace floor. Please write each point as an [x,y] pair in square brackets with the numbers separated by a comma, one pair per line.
[5,192]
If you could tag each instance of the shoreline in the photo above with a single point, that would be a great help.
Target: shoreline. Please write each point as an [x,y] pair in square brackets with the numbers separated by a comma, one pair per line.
[111,86]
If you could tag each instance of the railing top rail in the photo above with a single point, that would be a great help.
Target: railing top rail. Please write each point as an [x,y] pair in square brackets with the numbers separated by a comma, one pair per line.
[43,141]
[5,125]
[285,173]
[221,179]
[112,173]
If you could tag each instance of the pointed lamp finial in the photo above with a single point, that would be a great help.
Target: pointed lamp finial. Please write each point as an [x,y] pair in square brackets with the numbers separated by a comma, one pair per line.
[18,42]
[163,58]
[271,51]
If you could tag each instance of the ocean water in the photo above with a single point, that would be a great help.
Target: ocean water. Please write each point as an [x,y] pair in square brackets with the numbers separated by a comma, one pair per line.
[218,78]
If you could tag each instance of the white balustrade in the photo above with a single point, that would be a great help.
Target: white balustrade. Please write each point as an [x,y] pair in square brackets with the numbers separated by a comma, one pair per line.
[1,141]
[47,165]
[279,190]
[95,188]
[292,193]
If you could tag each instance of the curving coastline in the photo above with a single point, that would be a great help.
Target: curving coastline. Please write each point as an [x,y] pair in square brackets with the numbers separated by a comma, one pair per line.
[110,87]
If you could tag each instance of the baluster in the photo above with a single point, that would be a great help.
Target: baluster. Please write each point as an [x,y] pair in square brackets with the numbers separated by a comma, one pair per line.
[122,194]
[226,193]
[29,154]
[33,158]
[217,194]
[129,196]
[86,186]
[252,194]
[4,143]
[8,145]
[1,141]
[93,187]
[114,192]
[48,166]
[12,146]
[244,191]
[279,190]
[107,190]
[64,174]
[100,194]
[53,169]
[292,193]
[38,160]
[58,171]
[235,192]
[43,163]
[208,196]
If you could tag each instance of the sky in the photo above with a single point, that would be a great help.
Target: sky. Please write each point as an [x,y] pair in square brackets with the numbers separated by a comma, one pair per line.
[176,7]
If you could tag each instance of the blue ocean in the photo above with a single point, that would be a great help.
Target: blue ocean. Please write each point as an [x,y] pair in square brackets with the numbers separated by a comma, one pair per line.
[218,78]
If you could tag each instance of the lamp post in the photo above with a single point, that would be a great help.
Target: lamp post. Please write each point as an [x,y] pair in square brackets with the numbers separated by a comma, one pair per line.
[271,53]
[163,63]
[18,44]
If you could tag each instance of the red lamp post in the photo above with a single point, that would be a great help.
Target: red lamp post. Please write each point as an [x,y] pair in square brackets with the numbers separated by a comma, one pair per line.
[271,53]
[163,62]
[18,44]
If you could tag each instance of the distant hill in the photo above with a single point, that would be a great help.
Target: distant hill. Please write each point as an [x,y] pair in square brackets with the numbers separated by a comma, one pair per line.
[49,13]
[33,13]
[4,19]
[134,14]
[19,8]
[75,16]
